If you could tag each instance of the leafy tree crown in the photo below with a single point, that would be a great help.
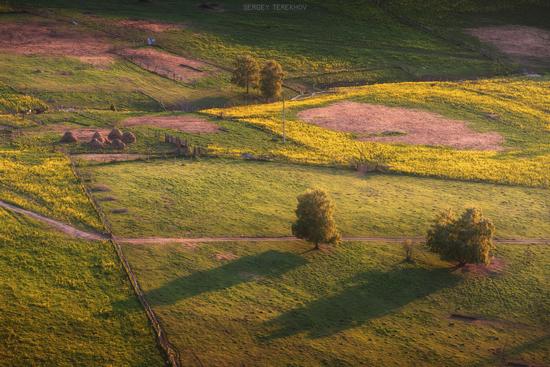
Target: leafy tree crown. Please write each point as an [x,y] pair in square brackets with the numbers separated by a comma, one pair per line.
[315,218]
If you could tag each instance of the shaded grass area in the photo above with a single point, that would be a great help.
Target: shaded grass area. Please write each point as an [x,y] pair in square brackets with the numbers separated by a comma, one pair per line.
[64,82]
[321,38]
[57,302]
[222,198]
[357,304]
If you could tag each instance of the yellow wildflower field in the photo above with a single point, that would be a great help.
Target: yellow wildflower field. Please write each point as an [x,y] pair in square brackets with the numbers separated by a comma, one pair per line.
[517,108]
[45,184]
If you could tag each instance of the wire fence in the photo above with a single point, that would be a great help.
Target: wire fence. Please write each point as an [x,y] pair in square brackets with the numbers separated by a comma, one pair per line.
[171,354]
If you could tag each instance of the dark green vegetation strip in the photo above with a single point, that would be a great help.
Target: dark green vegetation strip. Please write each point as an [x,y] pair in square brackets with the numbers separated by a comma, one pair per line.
[278,304]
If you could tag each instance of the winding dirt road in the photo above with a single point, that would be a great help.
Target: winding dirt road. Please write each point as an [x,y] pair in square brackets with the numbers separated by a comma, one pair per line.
[94,236]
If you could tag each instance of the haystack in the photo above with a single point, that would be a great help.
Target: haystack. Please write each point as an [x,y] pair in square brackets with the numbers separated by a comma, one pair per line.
[98,136]
[128,137]
[96,144]
[68,137]
[115,134]
[118,144]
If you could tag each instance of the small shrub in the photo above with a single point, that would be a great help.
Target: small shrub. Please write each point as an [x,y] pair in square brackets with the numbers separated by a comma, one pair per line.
[408,247]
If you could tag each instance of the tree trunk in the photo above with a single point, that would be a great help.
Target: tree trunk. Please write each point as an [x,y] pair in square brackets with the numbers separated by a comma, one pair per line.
[317,246]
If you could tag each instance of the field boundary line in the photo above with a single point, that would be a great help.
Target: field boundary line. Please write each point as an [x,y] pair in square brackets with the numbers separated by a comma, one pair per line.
[385,239]
[171,354]
[195,240]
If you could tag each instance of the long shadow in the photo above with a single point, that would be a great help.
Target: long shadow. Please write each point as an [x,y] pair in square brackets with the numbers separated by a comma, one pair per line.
[510,352]
[267,264]
[370,295]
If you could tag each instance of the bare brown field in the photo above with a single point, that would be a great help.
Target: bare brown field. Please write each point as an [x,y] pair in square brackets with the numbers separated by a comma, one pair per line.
[46,37]
[521,43]
[189,124]
[150,26]
[166,64]
[400,125]
[107,158]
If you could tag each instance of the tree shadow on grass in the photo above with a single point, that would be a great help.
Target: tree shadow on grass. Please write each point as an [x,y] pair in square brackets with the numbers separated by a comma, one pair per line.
[369,295]
[509,353]
[245,269]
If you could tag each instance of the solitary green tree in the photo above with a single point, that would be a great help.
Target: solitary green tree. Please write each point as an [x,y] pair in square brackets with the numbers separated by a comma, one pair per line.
[271,81]
[246,73]
[466,239]
[315,218]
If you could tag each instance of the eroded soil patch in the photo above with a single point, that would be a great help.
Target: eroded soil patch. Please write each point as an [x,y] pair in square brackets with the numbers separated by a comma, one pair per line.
[171,66]
[189,124]
[107,158]
[46,37]
[523,44]
[400,125]
[146,25]
[496,267]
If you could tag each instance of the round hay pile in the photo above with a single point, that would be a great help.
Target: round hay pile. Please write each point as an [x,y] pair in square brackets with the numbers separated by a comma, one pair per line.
[128,137]
[118,144]
[115,134]
[96,144]
[98,136]
[68,137]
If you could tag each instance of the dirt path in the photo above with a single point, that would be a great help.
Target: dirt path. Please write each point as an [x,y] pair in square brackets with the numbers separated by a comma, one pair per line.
[197,240]
[108,157]
[77,233]
[62,227]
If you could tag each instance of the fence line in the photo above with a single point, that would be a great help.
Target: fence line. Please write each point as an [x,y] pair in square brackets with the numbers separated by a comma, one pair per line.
[172,357]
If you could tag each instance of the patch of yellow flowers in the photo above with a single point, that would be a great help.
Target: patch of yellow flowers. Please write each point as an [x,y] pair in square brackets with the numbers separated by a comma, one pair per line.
[45,183]
[13,102]
[522,107]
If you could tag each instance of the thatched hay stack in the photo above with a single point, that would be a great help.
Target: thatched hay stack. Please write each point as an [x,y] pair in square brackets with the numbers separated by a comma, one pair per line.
[68,137]
[117,144]
[96,144]
[128,137]
[115,134]
[98,136]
